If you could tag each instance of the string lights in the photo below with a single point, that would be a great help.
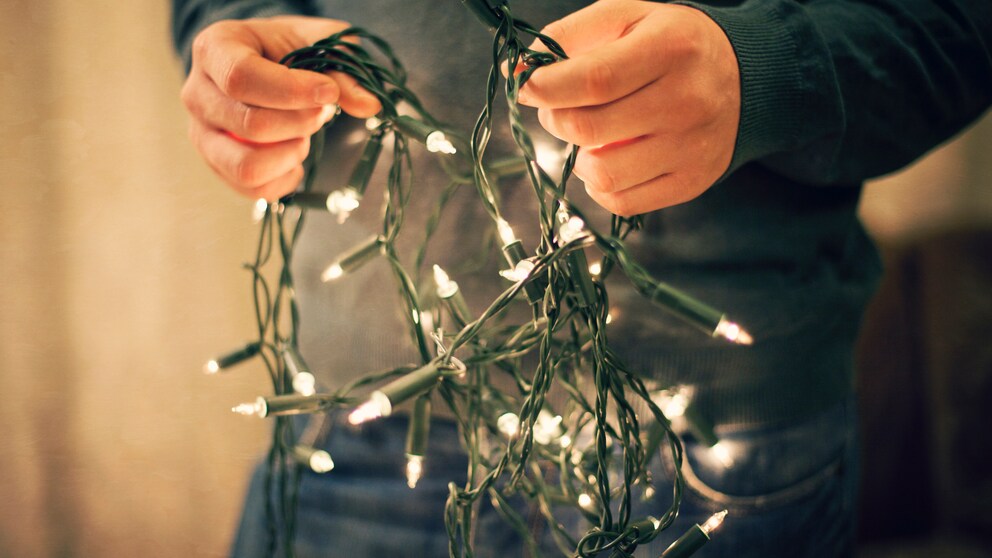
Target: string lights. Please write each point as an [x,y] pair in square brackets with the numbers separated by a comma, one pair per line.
[596,442]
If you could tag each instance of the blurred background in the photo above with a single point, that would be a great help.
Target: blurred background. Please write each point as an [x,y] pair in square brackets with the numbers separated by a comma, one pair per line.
[120,263]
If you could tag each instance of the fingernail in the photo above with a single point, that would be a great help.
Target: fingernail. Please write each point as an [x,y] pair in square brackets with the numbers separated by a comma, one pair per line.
[327,94]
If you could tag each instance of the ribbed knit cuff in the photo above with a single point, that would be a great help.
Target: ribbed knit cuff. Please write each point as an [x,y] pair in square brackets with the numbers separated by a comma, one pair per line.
[788,89]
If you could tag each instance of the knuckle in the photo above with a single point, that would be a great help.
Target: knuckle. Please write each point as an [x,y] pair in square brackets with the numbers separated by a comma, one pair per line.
[598,82]
[254,125]
[579,126]
[598,175]
[236,79]
[247,170]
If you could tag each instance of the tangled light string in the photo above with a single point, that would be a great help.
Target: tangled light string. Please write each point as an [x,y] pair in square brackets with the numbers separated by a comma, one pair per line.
[590,456]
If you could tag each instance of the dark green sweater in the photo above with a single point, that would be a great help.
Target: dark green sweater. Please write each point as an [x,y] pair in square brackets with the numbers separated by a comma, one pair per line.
[833,92]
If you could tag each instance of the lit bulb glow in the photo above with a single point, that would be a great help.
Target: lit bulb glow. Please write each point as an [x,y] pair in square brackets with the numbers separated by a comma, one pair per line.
[321,462]
[341,203]
[505,231]
[713,522]
[414,469]
[446,288]
[547,428]
[256,408]
[520,272]
[372,123]
[585,501]
[377,406]
[258,210]
[211,367]
[508,424]
[673,402]
[305,384]
[732,332]
[723,453]
[549,158]
[565,441]
[437,142]
[595,269]
[334,271]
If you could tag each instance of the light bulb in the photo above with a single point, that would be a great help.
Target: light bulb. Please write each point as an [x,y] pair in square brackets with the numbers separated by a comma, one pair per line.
[304,383]
[255,408]
[570,227]
[547,428]
[258,210]
[505,231]
[341,203]
[585,501]
[333,271]
[437,142]
[232,358]
[508,424]
[548,158]
[673,402]
[372,123]
[414,469]
[713,522]
[377,406]
[723,453]
[595,268]
[321,462]
[732,332]
[211,367]
[520,271]
[446,288]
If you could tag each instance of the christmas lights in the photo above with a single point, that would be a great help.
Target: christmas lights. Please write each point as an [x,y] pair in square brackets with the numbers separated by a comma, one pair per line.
[595,442]
[694,538]
[318,460]
[416,439]
[353,259]
[232,358]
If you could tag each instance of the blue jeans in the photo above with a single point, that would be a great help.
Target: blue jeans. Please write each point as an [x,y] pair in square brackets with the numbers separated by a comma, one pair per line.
[790,492]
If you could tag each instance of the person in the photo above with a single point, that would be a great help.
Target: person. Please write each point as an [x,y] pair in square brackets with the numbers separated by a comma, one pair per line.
[742,131]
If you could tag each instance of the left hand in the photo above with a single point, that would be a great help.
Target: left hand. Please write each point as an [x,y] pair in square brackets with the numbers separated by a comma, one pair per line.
[651,94]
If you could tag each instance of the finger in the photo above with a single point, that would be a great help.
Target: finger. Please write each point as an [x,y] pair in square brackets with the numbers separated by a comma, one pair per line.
[276,188]
[245,165]
[660,192]
[354,99]
[258,124]
[592,27]
[619,166]
[596,125]
[240,72]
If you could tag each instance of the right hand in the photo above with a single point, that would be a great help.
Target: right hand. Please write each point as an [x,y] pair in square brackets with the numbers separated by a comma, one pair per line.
[252,117]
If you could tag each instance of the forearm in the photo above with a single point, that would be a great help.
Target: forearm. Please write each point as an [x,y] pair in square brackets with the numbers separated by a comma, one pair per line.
[837,91]
[189,17]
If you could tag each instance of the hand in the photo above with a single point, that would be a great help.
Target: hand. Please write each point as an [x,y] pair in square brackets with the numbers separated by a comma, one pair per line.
[252,117]
[651,93]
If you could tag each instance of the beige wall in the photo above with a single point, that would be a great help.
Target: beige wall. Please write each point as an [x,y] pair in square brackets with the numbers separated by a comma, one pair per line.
[119,259]
[119,262]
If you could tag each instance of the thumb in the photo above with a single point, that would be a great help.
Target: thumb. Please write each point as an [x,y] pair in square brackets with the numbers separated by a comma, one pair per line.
[593,26]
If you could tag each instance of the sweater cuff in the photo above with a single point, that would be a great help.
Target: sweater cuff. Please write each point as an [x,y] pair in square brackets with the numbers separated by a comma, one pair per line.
[789,94]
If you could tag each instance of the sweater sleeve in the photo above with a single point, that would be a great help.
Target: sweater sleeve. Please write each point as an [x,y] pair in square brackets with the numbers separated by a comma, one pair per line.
[191,16]
[838,91]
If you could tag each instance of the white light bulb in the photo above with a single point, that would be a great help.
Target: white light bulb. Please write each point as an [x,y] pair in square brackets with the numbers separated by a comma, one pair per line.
[378,405]
[437,142]
[305,384]
[547,428]
[257,407]
[723,453]
[341,203]
[713,522]
[446,288]
[414,469]
[321,462]
[258,210]
[732,332]
[673,402]
[505,231]
[595,268]
[334,271]
[508,424]
[565,441]
[548,158]
[372,123]
[585,501]
[211,367]
[521,271]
